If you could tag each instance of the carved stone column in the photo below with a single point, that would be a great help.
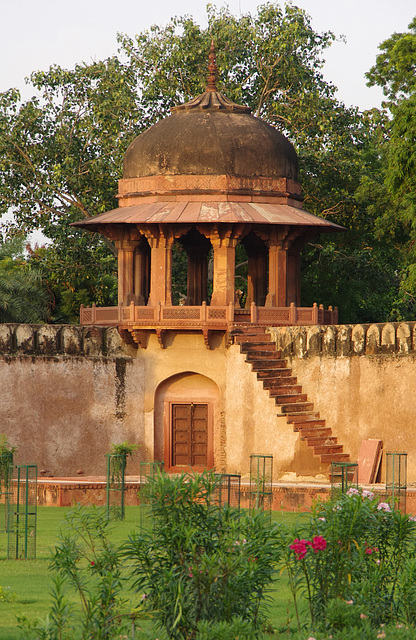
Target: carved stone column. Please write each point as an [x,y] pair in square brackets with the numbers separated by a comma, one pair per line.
[224,241]
[161,242]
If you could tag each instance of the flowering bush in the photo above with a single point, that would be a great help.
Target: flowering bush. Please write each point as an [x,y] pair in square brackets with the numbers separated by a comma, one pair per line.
[357,550]
[202,562]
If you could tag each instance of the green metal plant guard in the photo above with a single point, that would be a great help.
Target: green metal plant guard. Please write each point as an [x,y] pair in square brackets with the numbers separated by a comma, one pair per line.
[22,512]
[343,476]
[6,462]
[261,480]
[396,479]
[116,470]
[148,471]
[228,491]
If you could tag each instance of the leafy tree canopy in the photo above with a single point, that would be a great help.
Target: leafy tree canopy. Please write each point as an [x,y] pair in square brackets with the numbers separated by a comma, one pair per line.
[23,296]
[395,72]
[61,151]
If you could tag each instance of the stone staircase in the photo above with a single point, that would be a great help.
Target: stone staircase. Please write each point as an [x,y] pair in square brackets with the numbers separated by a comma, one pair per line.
[278,380]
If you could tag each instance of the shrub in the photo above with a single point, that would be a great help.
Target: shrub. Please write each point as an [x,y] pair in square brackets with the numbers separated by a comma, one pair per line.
[202,562]
[357,550]
[236,629]
[88,563]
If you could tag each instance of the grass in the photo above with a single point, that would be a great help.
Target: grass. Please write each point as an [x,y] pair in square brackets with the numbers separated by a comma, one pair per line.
[25,584]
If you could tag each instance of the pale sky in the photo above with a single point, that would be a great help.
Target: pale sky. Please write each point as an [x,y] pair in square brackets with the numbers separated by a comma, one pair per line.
[38,33]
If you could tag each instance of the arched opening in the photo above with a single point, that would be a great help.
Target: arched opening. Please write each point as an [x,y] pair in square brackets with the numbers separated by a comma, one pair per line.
[257,269]
[186,410]
[197,248]
[141,272]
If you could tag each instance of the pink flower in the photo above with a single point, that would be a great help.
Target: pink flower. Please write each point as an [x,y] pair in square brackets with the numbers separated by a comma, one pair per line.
[368,494]
[300,547]
[384,506]
[92,563]
[352,491]
[369,550]
[318,544]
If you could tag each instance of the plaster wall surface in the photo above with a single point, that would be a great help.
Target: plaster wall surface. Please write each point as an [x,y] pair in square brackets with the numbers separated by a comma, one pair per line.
[362,379]
[65,400]
[68,393]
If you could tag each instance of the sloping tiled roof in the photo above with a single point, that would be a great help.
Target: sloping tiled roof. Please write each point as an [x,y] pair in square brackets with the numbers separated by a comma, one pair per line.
[208,212]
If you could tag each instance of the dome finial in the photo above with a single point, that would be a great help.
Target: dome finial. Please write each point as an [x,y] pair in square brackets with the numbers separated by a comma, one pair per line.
[212,69]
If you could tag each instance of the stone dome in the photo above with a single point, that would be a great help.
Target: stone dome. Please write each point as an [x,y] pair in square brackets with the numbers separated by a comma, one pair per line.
[211,135]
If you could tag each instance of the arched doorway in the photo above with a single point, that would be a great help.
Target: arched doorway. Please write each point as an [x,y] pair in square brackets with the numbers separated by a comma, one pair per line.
[186,411]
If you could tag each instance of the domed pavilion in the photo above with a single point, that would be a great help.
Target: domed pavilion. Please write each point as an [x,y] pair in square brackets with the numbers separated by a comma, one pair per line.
[209,177]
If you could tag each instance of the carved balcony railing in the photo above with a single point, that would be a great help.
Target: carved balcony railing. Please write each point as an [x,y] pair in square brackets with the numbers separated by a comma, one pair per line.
[177,317]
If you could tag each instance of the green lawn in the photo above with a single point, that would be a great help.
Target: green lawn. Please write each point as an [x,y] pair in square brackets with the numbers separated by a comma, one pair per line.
[25,584]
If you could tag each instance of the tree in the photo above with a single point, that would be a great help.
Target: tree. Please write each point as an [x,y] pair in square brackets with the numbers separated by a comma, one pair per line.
[61,152]
[23,295]
[395,72]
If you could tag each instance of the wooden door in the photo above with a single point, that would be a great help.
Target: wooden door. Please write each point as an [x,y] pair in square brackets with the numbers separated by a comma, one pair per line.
[190,435]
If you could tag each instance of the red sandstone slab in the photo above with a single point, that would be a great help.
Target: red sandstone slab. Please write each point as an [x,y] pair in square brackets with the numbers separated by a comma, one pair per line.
[175,212]
[208,212]
[228,213]
[251,212]
[162,213]
[204,210]
[369,457]
[190,213]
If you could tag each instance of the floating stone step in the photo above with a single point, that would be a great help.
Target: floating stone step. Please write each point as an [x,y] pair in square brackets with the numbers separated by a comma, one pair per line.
[268,365]
[327,448]
[254,347]
[296,397]
[297,407]
[253,356]
[311,425]
[322,434]
[280,381]
[302,416]
[271,373]
[320,440]
[334,457]
[285,389]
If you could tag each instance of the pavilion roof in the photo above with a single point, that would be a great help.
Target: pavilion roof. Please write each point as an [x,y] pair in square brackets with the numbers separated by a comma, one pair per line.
[185,212]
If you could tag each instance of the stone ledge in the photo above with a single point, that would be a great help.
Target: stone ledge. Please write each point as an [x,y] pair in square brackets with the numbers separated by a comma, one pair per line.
[294,497]
[55,340]
[390,338]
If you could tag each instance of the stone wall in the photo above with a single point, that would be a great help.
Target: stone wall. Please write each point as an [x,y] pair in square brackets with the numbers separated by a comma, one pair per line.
[362,379]
[68,392]
[346,340]
[66,396]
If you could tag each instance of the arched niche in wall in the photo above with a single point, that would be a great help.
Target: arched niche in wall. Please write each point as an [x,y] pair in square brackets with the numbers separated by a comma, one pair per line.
[186,412]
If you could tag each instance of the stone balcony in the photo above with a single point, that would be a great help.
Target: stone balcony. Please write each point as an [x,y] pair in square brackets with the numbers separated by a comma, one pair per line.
[139,321]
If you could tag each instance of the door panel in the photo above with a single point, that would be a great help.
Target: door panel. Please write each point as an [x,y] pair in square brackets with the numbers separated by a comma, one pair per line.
[189,434]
